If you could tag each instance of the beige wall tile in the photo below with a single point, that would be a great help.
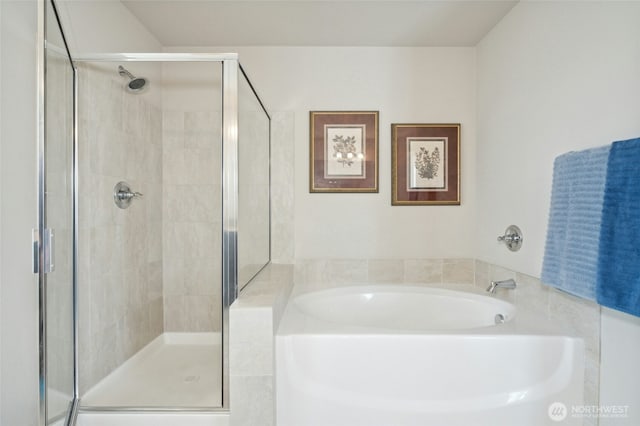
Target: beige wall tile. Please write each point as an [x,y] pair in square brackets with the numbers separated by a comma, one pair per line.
[173,167]
[458,271]
[282,223]
[192,219]
[256,410]
[202,275]
[385,271]
[423,271]
[172,121]
[155,285]
[202,313]
[346,271]
[498,273]
[202,166]
[175,315]
[251,359]
[282,186]
[156,317]
[481,273]
[174,274]
[531,294]
[201,121]
[173,242]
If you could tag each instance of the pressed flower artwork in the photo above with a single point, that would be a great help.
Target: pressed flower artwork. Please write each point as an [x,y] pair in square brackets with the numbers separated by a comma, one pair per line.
[343,151]
[425,164]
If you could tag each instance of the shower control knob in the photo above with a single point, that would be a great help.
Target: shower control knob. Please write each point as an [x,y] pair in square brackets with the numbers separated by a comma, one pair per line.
[122,195]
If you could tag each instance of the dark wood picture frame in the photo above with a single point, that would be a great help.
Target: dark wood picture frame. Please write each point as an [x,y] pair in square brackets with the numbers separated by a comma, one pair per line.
[425,164]
[343,151]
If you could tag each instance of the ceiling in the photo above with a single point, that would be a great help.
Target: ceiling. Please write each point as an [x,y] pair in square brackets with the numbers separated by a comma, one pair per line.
[319,23]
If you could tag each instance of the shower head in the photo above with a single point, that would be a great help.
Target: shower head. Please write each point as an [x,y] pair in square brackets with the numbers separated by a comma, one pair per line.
[136,84]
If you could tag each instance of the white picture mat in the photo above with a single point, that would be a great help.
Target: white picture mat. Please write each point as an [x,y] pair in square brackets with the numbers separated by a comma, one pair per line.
[333,167]
[439,181]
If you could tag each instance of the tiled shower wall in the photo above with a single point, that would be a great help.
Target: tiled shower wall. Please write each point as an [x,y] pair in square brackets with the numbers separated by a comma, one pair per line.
[155,266]
[577,316]
[192,214]
[120,251]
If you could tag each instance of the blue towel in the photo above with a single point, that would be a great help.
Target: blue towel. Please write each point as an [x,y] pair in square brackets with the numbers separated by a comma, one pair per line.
[619,261]
[571,250]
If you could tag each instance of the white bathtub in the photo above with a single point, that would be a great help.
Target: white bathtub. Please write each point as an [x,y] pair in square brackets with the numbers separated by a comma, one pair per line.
[392,355]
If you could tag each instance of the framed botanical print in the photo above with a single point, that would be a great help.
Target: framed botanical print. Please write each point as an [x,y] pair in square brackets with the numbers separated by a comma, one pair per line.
[343,151]
[425,168]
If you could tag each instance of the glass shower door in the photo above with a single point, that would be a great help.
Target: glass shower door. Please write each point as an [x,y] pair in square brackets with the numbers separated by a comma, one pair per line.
[56,263]
[254,182]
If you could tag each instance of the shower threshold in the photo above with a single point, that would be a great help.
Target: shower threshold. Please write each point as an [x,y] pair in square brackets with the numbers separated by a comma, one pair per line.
[175,370]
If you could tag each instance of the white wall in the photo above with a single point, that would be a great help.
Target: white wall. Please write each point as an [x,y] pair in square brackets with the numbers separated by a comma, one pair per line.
[620,373]
[94,26]
[419,85]
[18,291]
[552,77]
[555,77]
[18,298]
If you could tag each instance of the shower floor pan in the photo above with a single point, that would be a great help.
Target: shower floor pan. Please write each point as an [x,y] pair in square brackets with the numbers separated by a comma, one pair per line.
[174,370]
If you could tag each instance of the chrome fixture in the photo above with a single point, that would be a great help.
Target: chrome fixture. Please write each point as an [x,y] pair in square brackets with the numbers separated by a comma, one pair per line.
[136,84]
[499,319]
[510,283]
[122,195]
[512,238]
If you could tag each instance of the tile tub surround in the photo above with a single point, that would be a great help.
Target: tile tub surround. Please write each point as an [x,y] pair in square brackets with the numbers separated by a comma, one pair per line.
[282,187]
[322,273]
[254,318]
[119,251]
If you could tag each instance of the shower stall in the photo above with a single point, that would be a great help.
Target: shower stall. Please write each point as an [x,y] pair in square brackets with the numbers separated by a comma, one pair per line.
[154,212]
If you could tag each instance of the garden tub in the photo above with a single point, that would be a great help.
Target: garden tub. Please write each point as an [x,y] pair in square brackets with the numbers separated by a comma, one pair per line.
[392,355]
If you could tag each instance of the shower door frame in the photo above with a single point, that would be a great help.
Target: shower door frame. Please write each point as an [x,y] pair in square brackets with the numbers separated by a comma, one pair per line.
[230,112]
[43,248]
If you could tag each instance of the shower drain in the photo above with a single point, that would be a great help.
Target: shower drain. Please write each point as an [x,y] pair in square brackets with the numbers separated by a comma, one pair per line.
[192,379]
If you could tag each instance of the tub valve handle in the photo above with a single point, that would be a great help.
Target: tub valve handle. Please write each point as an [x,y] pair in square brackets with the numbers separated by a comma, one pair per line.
[512,238]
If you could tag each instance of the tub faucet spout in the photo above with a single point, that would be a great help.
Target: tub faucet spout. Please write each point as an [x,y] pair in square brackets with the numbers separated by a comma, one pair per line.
[510,283]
